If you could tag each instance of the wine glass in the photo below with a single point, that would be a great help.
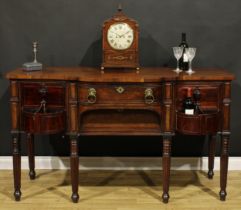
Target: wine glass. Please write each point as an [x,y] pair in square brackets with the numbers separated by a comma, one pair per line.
[178,54]
[190,52]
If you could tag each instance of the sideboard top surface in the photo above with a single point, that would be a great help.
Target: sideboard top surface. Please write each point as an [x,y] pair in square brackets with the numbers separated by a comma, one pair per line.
[92,74]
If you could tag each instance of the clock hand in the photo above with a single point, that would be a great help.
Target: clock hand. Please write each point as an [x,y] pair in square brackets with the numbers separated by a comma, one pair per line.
[124,33]
[116,34]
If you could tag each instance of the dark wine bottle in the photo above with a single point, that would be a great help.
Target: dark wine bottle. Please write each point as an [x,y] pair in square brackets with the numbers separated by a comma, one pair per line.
[188,104]
[183,61]
[196,99]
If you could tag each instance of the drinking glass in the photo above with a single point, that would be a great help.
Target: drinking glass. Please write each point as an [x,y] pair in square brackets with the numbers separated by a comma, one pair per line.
[178,54]
[190,52]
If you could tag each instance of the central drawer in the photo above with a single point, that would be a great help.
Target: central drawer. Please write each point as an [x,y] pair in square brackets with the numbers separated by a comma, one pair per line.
[119,93]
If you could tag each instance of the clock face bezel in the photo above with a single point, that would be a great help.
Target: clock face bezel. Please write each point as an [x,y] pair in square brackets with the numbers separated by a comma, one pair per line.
[116,24]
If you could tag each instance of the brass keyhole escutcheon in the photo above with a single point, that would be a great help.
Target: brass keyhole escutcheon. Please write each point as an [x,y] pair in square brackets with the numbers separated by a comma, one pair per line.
[119,89]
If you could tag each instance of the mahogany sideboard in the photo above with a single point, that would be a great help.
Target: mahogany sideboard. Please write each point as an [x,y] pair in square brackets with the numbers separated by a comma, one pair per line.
[83,101]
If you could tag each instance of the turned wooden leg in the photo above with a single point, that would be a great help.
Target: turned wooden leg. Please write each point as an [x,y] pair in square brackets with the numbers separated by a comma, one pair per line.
[224,166]
[31,161]
[17,166]
[166,160]
[211,154]
[74,164]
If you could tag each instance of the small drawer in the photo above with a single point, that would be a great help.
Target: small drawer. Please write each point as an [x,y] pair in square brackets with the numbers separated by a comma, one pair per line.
[209,94]
[201,124]
[53,121]
[115,94]
[33,92]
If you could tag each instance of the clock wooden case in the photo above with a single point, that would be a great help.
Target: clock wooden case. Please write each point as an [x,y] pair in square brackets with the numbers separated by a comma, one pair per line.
[120,42]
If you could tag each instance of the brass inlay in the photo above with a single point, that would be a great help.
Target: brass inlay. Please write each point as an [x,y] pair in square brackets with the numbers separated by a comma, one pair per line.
[120,57]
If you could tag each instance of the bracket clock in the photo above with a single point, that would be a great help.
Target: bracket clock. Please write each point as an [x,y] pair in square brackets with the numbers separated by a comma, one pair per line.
[120,42]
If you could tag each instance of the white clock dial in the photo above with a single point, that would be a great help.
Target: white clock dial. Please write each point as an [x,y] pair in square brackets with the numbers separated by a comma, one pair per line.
[120,36]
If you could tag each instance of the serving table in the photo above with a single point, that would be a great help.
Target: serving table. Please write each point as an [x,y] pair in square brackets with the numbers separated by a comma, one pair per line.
[83,101]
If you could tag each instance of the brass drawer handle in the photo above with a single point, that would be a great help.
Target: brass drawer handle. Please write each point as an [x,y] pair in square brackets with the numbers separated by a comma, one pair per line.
[91,95]
[196,94]
[149,97]
[43,90]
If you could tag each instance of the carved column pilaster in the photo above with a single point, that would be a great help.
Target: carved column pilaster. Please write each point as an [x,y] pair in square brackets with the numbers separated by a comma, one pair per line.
[72,108]
[168,108]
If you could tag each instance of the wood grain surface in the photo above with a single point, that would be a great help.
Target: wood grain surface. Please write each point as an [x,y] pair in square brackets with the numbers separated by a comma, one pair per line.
[91,74]
[120,190]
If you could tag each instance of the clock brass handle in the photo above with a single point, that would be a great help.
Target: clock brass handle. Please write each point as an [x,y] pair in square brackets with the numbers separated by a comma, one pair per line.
[91,96]
[149,97]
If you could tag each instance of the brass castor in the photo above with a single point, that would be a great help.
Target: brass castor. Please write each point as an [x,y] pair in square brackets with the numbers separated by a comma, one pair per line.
[17,195]
[165,197]
[75,197]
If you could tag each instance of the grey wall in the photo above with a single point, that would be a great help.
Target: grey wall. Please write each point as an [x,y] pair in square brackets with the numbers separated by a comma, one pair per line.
[69,33]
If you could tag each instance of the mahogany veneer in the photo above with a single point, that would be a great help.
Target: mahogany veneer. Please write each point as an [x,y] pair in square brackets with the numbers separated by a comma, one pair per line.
[125,58]
[53,121]
[201,124]
[52,92]
[82,101]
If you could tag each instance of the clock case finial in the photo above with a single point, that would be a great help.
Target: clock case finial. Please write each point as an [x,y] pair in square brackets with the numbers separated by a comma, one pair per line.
[120,7]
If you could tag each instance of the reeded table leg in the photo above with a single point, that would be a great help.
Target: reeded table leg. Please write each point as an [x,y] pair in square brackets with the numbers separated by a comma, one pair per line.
[225,135]
[211,154]
[74,164]
[16,166]
[224,166]
[31,161]
[166,163]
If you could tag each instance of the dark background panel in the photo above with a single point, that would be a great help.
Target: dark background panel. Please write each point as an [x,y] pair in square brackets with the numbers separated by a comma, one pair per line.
[69,33]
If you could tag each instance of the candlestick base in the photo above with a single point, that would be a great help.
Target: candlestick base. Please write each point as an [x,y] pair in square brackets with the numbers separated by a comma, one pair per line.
[32,66]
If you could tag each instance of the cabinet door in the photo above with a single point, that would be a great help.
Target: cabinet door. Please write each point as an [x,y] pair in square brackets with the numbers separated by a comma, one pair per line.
[210,98]
[35,118]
